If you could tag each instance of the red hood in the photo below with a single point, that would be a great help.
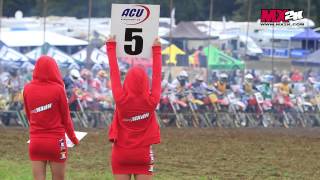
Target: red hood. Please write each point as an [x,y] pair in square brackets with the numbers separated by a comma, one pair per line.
[46,70]
[136,82]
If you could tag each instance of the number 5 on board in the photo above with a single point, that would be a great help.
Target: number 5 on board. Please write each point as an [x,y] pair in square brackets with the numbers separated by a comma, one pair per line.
[135,27]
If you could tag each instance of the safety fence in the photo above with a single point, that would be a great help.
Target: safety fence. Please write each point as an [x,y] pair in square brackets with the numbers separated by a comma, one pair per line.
[101,119]
[87,119]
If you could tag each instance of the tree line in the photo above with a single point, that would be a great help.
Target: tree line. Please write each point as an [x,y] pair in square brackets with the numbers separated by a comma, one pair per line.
[185,10]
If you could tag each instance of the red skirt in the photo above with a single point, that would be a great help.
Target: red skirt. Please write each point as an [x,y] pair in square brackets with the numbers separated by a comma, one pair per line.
[132,161]
[48,149]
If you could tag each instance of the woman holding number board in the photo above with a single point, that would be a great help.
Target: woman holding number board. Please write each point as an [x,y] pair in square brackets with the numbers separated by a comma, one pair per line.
[134,127]
[48,114]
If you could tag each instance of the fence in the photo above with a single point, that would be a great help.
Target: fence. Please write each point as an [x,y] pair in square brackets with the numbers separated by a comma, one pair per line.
[102,119]
[95,119]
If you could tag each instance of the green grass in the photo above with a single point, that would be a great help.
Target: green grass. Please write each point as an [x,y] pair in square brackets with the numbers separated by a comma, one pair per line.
[22,171]
[14,170]
[10,170]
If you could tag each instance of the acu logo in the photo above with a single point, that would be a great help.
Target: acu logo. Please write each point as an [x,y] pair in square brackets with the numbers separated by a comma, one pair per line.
[132,12]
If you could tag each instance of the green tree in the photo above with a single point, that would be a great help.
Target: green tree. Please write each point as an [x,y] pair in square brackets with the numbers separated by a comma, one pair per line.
[186,10]
[11,6]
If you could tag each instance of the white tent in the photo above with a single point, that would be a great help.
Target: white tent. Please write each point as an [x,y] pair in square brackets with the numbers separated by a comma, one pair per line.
[59,56]
[223,26]
[10,54]
[284,34]
[35,38]
[97,56]
[74,66]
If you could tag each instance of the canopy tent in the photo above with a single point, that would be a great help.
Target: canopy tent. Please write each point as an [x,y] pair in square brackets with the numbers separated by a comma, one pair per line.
[22,65]
[187,36]
[10,54]
[97,56]
[49,50]
[35,38]
[283,34]
[187,30]
[219,60]
[311,60]
[172,51]
[307,34]
[310,42]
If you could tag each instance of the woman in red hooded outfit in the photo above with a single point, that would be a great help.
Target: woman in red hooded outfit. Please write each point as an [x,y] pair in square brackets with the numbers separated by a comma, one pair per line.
[134,127]
[49,118]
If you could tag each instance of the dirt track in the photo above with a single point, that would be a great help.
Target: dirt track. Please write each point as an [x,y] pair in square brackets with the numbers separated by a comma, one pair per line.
[208,153]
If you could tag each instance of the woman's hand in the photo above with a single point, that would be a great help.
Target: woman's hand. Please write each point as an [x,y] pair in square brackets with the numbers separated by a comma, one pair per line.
[111,38]
[157,42]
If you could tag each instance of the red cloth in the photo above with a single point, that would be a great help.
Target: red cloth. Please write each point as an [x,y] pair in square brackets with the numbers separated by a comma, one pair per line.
[44,149]
[132,161]
[46,103]
[134,123]
[296,77]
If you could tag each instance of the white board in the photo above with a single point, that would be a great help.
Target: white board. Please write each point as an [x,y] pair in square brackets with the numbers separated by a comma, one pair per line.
[135,27]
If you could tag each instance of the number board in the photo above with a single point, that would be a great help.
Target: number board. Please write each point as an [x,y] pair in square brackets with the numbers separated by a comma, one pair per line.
[135,27]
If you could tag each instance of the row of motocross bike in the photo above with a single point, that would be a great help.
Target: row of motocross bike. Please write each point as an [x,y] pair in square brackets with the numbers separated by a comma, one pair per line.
[88,110]
[191,108]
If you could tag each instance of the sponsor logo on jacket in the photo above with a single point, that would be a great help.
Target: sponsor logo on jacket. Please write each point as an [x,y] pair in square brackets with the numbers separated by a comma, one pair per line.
[42,108]
[138,117]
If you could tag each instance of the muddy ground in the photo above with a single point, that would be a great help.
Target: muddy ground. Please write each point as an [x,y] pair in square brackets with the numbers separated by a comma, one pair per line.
[200,153]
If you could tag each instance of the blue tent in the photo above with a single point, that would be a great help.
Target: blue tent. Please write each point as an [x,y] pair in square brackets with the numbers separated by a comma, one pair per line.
[310,42]
[307,34]
[311,60]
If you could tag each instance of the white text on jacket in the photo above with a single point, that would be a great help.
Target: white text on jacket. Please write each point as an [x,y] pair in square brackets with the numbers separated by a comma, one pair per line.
[42,108]
[139,117]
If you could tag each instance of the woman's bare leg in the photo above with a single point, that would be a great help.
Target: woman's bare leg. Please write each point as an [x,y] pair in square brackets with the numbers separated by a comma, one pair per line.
[39,170]
[122,176]
[142,177]
[58,170]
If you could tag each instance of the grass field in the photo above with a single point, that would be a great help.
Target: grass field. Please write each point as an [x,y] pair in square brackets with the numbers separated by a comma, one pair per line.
[186,154]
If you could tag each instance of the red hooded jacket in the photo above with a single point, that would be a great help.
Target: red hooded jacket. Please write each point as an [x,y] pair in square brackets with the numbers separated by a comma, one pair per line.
[46,102]
[134,122]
